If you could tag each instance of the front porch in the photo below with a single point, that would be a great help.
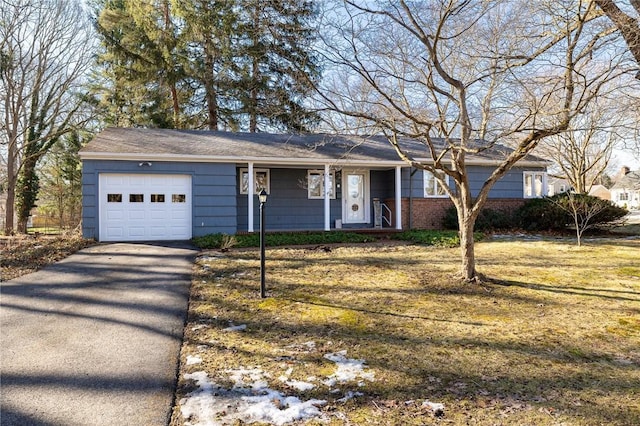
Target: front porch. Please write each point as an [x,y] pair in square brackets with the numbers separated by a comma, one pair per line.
[297,199]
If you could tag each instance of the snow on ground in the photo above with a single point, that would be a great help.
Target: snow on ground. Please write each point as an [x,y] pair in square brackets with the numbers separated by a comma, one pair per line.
[348,369]
[191,360]
[251,400]
[240,327]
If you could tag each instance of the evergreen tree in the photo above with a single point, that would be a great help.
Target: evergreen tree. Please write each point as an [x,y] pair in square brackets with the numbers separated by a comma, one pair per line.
[208,28]
[140,77]
[277,66]
[234,65]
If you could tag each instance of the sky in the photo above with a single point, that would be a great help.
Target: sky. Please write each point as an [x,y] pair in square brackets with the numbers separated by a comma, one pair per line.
[627,158]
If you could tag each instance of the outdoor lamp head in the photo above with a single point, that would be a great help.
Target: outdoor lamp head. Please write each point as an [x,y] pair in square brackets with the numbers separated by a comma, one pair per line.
[262,196]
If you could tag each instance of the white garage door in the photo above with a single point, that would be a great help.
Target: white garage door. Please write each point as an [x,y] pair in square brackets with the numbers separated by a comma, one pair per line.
[143,207]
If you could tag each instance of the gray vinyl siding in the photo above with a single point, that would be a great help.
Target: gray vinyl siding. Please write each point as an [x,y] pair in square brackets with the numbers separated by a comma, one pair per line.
[509,186]
[288,206]
[213,206]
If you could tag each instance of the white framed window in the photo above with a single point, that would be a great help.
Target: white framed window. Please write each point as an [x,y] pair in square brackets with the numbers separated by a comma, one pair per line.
[433,188]
[623,196]
[535,184]
[315,184]
[261,180]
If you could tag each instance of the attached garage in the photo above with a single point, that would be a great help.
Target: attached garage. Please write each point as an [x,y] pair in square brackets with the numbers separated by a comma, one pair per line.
[144,207]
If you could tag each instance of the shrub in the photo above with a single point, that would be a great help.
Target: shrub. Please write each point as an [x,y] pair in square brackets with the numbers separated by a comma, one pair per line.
[488,220]
[541,214]
[594,210]
[556,212]
[432,238]
[221,241]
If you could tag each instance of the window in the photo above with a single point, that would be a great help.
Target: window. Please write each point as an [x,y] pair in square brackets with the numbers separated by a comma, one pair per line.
[178,198]
[260,180]
[136,198]
[114,198]
[535,184]
[157,198]
[432,187]
[315,184]
[623,196]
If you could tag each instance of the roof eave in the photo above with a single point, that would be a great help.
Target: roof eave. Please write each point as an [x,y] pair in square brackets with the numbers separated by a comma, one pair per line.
[84,155]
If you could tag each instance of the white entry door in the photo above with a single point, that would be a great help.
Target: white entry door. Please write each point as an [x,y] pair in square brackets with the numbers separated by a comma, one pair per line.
[143,207]
[355,208]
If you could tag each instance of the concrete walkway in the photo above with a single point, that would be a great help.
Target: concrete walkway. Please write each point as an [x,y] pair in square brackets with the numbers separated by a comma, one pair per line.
[95,338]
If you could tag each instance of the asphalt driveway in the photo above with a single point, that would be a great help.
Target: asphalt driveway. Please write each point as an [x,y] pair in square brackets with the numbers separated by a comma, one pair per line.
[95,338]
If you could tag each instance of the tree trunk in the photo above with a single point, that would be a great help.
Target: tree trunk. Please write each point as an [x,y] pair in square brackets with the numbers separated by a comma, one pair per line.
[11,188]
[27,188]
[467,247]
[9,205]
[209,86]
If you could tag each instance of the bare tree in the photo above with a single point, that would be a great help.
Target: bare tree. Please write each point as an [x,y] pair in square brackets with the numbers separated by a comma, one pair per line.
[628,26]
[45,50]
[587,212]
[583,153]
[464,77]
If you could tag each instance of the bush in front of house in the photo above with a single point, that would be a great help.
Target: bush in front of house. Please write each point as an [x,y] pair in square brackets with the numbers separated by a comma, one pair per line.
[541,214]
[488,220]
[216,241]
[557,212]
[284,239]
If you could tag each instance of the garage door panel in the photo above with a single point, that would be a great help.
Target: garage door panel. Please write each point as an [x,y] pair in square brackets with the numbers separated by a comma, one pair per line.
[115,215]
[136,214]
[145,210]
[159,215]
[115,180]
[115,231]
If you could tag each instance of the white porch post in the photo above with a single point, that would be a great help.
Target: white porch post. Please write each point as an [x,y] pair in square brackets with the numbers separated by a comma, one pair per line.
[251,185]
[399,198]
[327,198]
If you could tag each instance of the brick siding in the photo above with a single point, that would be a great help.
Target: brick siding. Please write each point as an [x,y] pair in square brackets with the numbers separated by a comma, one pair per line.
[428,213]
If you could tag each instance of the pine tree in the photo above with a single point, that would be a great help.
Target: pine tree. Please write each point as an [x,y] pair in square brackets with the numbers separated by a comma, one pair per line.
[208,27]
[233,65]
[277,66]
[139,82]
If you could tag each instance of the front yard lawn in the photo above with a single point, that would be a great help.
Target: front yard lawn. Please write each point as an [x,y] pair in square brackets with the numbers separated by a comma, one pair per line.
[384,335]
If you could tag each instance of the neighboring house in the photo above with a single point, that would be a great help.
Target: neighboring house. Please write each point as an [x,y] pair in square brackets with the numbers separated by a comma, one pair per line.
[557,186]
[601,192]
[626,191]
[150,184]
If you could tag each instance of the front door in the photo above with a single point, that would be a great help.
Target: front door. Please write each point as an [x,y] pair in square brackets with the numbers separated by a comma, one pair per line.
[356,199]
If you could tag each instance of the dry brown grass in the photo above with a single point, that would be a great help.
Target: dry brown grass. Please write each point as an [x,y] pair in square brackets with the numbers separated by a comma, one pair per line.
[23,254]
[554,339]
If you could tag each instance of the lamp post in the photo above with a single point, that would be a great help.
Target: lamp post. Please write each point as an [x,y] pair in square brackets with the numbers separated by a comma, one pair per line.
[262,196]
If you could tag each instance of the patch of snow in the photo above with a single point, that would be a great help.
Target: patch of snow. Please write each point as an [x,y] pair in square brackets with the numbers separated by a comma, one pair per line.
[198,327]
[208,258]
[277,409]
[348,369]
[296,384]
[191,360]
[236,328]
[300,385]
[349,395]
[248,378]
[199,404]
[249,401]
[436,407]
